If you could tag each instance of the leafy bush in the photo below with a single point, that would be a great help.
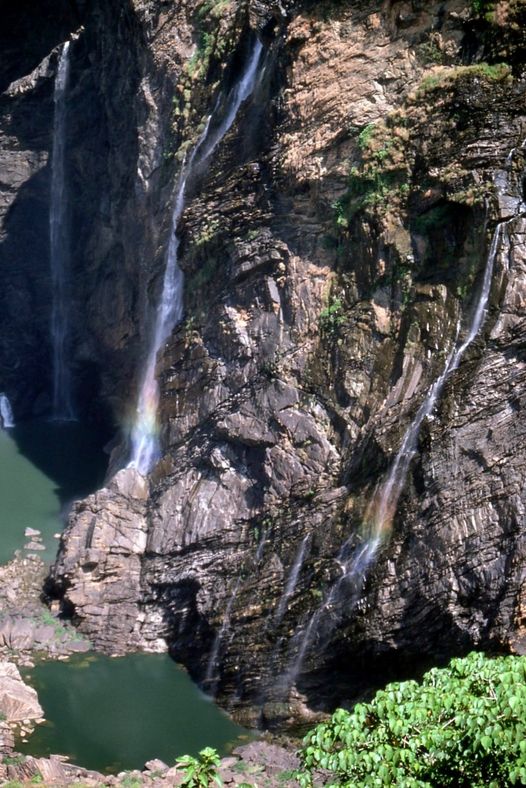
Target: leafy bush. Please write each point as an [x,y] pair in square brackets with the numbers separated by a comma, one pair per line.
[463,726]
[484,8]
[364,138]
[200,771]
[331,317]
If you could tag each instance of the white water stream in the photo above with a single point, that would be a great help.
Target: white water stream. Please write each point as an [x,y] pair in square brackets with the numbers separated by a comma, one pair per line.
[6,413]
[354,564]
[145,430]
[59,250]
[222,632]
[292,580]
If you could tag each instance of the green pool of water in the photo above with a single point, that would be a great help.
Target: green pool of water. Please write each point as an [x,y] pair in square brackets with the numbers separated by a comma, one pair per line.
[44,467]
[115,714]
[106,714]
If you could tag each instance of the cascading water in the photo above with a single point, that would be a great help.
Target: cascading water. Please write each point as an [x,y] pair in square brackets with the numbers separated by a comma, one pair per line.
[6,413]
[221,634]
[144,437]
[379,516]
[59,250]
[291,581]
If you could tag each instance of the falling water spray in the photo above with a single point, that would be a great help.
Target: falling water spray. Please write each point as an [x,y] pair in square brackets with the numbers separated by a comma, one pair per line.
[145,447]
[59,249]
[7,420]
[378,519]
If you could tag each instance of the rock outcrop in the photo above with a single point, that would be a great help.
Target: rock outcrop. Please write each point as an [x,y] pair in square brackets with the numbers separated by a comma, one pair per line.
[267,763]
[330,249]
[27,628]
[18,701]
[105,545]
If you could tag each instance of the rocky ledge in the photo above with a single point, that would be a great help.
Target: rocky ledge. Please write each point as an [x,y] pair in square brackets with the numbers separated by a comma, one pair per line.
[30,631]
[19,707]
[257,764]
[28,628]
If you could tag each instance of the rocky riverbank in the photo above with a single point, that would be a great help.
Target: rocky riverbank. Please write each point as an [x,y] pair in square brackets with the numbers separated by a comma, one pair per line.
[259,765]
[30,631]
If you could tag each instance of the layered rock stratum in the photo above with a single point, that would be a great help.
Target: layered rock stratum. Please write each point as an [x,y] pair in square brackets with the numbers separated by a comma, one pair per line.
[330,249]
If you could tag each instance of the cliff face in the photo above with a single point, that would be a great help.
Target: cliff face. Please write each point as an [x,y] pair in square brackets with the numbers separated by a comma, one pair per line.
[102,149]
[339,233]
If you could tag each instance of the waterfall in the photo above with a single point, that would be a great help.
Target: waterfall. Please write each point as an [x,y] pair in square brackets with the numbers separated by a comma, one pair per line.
[291,581]
[144,437]
[382,508]
[221,633]
[355,563]
[6,413]
[59,250]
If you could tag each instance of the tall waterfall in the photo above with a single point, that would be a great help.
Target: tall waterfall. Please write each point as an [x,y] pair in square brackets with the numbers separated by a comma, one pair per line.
[144,437]
[6,413]
[355,563]
[59,250]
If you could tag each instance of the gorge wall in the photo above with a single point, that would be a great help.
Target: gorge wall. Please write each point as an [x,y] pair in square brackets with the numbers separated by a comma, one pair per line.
[330,248]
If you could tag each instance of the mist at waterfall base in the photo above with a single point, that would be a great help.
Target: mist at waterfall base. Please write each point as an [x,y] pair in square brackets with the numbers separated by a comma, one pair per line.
[169,312]
[112,714]
[354,561]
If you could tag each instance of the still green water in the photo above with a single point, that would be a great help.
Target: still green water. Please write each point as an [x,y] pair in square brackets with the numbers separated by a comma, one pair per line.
[45,465]
[115,714]
[106,714]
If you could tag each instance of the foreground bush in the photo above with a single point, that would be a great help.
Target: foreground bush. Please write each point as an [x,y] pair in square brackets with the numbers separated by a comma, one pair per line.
[463,726]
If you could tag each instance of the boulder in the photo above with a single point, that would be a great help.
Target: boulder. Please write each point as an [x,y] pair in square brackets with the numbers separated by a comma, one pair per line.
[18,701]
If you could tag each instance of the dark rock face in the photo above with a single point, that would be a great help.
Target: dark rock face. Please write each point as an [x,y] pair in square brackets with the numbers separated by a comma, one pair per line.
[329,250]
[104,198]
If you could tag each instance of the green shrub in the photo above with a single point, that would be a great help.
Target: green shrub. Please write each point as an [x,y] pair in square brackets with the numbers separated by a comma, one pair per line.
[483,8]
[200,771]
[331,318]
[131,781]
[364,138]
[447,77]
[464,726]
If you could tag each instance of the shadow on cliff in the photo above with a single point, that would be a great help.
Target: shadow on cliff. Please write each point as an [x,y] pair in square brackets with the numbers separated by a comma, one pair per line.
[101,156]
[356,665]
[69,453]
[25,295]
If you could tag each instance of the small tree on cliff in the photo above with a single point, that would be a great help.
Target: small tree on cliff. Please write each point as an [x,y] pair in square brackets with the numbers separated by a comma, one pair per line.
[463,726]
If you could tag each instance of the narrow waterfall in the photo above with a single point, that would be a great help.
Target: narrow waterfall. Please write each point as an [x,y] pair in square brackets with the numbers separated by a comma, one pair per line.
[379,515]
[6,413]
[221,633]
[59,250]
[291,581]
[382,508]
[145,430]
